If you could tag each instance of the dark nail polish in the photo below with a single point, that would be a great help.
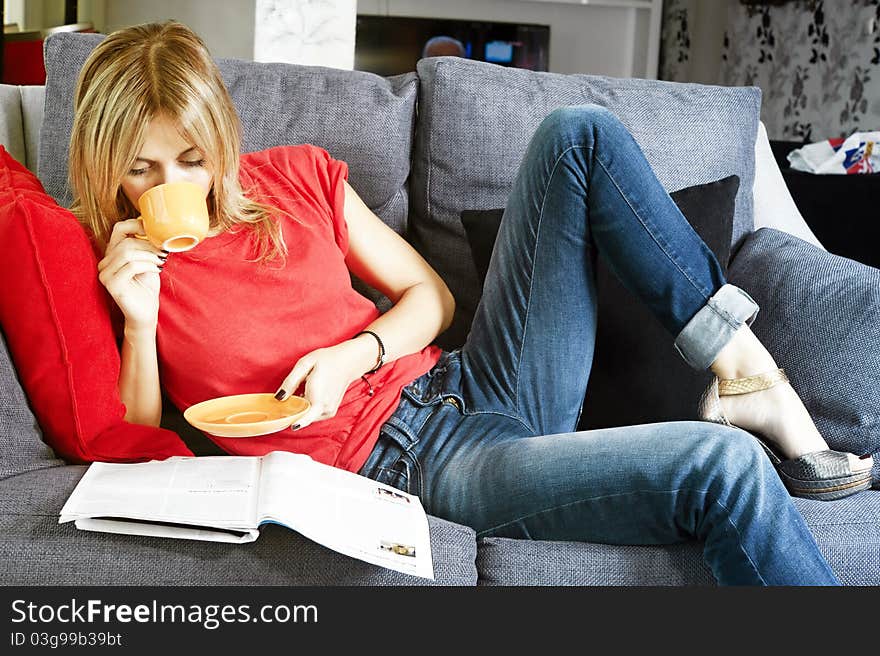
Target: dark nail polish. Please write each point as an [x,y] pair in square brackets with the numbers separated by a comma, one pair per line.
[866,456]
[295,427]
[163,257]
[279,394]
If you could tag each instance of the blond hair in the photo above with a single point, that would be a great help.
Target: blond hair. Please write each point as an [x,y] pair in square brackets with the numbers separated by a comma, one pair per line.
[133,76]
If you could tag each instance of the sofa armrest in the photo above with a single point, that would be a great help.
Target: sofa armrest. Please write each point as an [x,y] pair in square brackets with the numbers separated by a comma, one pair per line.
[774,206]
[11,123]
[32,100]
[21,116]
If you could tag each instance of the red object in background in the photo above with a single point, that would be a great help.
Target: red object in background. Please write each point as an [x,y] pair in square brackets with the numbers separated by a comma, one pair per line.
[23,53]
[23,62]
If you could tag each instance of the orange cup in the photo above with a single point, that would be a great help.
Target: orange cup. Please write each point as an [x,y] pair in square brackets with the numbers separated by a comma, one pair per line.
[175,215]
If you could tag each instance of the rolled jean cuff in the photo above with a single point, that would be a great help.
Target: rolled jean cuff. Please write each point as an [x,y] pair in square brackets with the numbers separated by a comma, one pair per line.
[703,337]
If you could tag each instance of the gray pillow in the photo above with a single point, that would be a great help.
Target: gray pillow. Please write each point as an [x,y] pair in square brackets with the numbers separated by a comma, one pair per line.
[820,319]
[360,118]
[475,121]
[21,441]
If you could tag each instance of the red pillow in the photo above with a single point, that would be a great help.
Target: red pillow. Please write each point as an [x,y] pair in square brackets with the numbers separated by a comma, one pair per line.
[56,318]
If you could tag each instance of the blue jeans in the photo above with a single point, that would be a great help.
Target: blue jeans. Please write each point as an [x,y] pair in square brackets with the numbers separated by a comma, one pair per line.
[488,437]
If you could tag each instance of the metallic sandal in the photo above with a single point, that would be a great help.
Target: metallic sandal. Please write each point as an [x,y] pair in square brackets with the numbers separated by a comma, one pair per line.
[822,475]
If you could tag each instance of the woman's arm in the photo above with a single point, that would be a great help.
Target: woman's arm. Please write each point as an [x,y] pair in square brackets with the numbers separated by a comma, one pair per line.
[139,386]
[423,305]
[130,272]
[423,308]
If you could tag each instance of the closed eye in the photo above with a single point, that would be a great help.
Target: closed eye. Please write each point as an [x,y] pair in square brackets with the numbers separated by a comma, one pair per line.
[190,164]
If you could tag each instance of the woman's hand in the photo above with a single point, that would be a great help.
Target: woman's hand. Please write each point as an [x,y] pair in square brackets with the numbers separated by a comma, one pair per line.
[327,374]
[130,272]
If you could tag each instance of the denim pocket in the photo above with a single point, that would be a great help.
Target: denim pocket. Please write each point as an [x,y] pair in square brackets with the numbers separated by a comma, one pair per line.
[398,465]
[438,384]
[404,474]
[394,460]
[421,397]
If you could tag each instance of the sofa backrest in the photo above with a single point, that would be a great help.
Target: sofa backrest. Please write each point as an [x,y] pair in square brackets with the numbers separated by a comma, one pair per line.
[361,118]
[476,119]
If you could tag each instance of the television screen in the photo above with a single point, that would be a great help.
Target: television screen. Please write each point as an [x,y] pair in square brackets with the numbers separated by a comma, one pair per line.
[390,45]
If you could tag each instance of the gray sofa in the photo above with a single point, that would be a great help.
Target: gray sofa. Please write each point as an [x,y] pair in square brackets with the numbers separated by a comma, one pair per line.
[421,148]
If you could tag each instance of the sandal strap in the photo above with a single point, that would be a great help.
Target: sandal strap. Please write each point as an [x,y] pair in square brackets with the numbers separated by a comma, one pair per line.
[732,386]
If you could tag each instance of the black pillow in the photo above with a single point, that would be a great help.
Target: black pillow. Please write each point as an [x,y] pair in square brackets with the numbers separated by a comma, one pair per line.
[820,319]
[637,375]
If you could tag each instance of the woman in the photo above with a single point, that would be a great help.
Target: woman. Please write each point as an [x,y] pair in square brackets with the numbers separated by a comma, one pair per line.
[482,434]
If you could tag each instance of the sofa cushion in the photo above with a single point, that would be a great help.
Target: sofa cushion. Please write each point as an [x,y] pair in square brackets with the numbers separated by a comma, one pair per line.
[360,118]
[21,441]
[637,377]
[820,319]
[475,121]
[505,561]
[36,550]
[56,319]
[847,532]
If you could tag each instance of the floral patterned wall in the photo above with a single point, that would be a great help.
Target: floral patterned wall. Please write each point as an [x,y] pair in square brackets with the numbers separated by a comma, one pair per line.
[817,61]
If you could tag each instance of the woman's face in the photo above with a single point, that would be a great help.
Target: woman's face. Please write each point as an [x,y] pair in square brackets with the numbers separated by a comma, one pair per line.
[165,157]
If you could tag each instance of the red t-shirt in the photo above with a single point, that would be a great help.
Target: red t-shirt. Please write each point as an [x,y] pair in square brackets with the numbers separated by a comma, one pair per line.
[232,326]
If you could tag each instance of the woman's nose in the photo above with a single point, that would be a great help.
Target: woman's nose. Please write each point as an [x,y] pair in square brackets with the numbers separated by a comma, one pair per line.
[172,174]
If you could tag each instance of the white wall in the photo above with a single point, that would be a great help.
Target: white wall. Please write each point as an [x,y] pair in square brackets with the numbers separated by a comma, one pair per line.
[13,12]
[40,14]
[584,38]
[227,26]
[299,31]
[707,38]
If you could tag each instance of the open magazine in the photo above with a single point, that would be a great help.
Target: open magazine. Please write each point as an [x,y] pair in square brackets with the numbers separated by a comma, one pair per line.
[228,498]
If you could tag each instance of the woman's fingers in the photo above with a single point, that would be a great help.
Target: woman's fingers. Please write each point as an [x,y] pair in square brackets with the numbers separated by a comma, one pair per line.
[295,378]
[122,255]
[122,249]
[123,271]
[323,389]
[311,415]
[123,230]
[319,410]
[122,277]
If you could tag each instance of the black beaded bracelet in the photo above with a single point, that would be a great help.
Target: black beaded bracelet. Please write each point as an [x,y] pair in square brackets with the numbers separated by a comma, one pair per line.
[379,362]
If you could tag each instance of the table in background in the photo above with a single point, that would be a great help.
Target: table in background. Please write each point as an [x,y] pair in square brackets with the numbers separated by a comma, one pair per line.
[841,210]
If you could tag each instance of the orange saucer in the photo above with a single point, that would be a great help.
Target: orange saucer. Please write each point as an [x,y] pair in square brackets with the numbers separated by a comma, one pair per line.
[246,415]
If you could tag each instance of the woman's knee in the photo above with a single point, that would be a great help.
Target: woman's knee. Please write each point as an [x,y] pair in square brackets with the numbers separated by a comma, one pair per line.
[579,121]
[734,455]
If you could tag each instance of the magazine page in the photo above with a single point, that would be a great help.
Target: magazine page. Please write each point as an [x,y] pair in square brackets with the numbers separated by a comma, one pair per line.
[349,513]
[216,491]
[164,530]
